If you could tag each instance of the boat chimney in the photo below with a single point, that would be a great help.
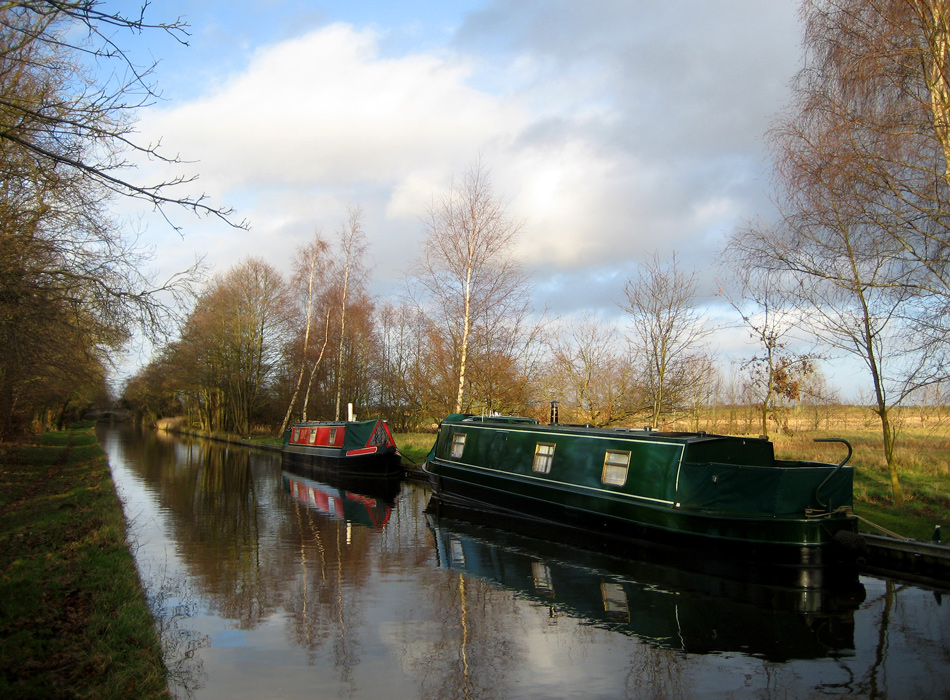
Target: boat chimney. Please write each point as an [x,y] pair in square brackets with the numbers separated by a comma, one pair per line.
[554,412]
[936,535]
[349,413]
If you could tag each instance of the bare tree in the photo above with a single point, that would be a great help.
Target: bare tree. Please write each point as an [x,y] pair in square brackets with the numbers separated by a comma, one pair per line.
[85,123]
[871,116]
[593,375]
[467,281]
[775,373]
[861,163]
[842,284]
[668,332]
[66,135]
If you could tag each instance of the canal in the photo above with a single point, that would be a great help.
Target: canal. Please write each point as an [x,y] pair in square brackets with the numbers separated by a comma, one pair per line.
[271,583]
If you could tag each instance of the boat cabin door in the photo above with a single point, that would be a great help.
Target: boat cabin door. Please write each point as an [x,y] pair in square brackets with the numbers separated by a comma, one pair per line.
[498,448]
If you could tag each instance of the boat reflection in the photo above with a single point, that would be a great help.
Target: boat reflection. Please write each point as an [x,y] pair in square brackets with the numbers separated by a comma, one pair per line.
[662,605]
[355,500]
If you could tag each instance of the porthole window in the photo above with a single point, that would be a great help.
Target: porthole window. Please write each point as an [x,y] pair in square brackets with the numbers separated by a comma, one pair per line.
[543,457]
[616,464]
[458,445]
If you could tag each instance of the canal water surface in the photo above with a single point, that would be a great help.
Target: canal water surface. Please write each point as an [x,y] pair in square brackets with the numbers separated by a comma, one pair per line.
[278,583]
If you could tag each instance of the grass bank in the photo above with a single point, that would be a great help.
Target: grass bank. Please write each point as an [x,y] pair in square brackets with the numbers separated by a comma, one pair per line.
[74,620]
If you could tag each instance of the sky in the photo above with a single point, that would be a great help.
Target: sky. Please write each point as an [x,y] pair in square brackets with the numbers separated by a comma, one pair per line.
[614,129]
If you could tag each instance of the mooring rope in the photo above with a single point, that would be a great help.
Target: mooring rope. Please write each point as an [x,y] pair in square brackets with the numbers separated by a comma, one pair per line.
[812,513]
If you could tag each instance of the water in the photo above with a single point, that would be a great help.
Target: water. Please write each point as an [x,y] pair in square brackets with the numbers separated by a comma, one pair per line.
[270,583]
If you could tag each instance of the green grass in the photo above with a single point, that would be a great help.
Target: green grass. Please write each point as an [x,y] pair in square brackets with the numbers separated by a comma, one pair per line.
[414,446]
[74,622]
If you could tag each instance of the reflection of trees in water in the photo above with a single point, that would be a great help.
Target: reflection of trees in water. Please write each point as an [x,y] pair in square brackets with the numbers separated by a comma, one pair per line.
[216,505]
[655,672]
[171,606]
[325,596]
[900,628]
[463,639]
[254,550]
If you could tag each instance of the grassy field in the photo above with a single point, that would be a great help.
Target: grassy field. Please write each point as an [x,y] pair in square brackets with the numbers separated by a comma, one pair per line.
[74,621]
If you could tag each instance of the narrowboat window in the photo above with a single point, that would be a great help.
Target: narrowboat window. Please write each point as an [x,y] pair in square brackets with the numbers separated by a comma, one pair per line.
[543,581]
[313,435]
[543,457]
[615,601]
[615,468]
[456,552]
[296,435]
[458,444]
[332,436]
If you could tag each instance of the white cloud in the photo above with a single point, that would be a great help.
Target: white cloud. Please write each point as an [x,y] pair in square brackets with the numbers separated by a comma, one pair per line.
[325,110]
[614,130]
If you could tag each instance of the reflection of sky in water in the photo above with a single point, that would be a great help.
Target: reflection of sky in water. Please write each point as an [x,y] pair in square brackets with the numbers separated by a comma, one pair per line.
[292,603]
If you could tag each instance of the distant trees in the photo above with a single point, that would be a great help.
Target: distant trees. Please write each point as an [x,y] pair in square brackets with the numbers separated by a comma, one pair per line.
[776,373]
[230,347]
[667,331]
[590,374]
[258,350]
[69,274]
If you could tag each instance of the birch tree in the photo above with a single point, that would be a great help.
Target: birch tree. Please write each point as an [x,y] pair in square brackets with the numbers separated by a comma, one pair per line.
[352,272]
[467,280]
[311,264]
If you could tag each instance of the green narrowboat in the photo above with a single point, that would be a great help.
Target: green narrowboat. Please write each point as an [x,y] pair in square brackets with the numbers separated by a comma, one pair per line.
[713,494]
[346,447]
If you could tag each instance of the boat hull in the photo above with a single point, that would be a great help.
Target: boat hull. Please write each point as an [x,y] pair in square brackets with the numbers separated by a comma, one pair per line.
[384,465]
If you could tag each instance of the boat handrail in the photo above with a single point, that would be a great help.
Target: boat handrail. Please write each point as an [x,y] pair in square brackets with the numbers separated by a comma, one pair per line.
[836,469]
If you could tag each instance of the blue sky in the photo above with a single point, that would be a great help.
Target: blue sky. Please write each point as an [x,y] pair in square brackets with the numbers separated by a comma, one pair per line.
[613,128]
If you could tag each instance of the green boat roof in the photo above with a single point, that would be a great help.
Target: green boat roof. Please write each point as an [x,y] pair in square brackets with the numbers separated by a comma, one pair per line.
[699,436]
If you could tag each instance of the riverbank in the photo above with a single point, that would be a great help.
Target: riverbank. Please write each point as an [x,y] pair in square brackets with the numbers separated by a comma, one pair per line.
[74,619]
